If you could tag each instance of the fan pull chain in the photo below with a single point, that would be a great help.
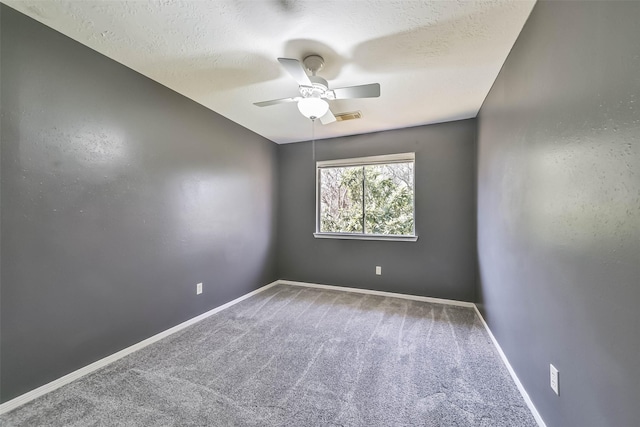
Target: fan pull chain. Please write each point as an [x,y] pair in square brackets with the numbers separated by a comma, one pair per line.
[313,140]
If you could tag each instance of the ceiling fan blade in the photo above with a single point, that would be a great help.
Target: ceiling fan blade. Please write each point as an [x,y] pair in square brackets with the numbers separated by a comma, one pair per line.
[295,68]
[276,101]
[363,91]
[327,118]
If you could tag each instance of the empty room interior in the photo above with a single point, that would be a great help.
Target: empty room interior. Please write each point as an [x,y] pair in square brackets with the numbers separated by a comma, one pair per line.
[301,213]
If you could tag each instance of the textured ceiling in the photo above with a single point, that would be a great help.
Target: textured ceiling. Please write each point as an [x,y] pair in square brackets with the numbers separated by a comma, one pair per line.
[435,60]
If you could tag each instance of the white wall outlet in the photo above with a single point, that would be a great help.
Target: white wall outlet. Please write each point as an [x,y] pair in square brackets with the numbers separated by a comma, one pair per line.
[198,288]
[378,270]
[554,376]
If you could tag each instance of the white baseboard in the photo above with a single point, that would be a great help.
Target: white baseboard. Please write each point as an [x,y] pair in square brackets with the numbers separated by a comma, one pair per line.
[521,388]
[49,387]
[380,293]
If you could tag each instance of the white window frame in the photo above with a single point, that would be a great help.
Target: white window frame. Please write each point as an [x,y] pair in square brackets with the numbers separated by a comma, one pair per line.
[365,161]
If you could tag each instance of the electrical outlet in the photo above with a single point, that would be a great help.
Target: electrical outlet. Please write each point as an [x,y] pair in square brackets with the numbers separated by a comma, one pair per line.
[198,288]
[378,270]
[554,376]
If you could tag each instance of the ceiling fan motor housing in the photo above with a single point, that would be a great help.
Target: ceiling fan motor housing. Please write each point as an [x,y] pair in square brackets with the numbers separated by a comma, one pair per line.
[320,89]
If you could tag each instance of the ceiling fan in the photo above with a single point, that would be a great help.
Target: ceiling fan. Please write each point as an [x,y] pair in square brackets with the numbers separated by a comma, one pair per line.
[314,90]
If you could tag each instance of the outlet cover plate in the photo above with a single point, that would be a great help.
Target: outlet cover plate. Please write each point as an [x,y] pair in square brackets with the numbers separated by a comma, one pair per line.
[198,288]
[554,377]
[378,270]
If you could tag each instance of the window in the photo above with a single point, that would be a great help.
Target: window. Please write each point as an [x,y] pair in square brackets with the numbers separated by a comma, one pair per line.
[366,198]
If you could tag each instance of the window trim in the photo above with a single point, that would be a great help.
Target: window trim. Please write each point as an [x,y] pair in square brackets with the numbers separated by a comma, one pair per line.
[365,161]
[361,236]
[369,160]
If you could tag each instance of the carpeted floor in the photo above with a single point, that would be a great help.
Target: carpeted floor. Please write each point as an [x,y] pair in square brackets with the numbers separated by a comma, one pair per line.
[293,356]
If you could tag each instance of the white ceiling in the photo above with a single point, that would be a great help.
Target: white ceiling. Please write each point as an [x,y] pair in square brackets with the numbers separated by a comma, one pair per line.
[435,60]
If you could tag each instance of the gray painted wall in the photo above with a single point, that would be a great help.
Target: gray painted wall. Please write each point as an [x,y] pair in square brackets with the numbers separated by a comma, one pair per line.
[118,196]
[440,264]
[559,210]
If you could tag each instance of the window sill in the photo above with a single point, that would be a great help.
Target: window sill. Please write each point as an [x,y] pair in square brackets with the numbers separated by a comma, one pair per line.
[348,236]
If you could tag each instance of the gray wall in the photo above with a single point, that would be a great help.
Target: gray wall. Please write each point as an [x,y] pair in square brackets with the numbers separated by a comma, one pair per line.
[440,264]
[559,210]
[118,196]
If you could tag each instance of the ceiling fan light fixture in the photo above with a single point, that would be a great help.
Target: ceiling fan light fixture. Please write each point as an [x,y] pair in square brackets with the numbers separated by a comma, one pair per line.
[313,108]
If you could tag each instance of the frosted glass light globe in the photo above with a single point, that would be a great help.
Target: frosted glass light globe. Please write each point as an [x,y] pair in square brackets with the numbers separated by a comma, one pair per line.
[313,108]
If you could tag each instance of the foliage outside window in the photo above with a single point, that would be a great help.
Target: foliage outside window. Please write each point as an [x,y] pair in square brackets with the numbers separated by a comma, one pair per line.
[370,196]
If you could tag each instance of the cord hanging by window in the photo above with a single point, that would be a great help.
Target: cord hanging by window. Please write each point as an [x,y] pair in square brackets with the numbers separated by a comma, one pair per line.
[313,141]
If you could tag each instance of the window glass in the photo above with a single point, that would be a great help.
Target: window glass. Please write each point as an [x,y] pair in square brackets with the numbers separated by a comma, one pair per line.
[388,199]
[341,200]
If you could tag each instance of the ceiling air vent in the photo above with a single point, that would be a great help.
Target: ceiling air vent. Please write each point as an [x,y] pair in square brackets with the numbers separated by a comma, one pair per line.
[348,116]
